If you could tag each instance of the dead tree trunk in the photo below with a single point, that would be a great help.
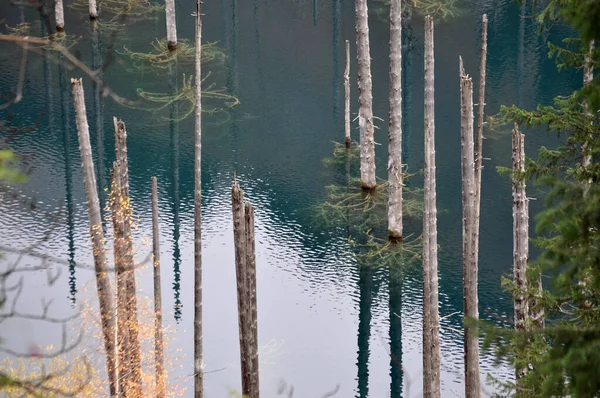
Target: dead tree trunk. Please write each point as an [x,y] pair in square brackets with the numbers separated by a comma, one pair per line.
[93,9]
[105,296]
[59,15]
[347,96]
[395,126]
[588,76]
[480,120]
[251,285]
[241,259]
[159,363]
[198,355]
[431,353]
[520,238]
[469,260]
[171,24]
[134,350]
[365,98]
[122,336]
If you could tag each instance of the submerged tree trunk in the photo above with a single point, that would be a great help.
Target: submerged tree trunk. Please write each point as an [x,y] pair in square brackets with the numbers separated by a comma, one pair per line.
[134,350]
[431,353]
[470,270]
[198,355]
[105,296]
[395,126]
[159,364]
[171,24]
[347,96]
[59,15]
[520,238]
[365,98]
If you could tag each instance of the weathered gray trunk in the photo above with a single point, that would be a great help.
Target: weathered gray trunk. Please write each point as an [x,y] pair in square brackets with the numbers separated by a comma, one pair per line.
[480,121]
[134,350]
[347,96]
[93,9]
[395,124]
[365,98]
[251,285]
[171,24]
[198,354]
[105,295]
[431,352]
[470,270]
[520,238]
[59,15]
[588,76]
[159,363]
[241,260]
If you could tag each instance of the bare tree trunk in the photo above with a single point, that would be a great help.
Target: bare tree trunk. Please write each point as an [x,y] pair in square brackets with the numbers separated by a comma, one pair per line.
[171,24]
[251,292]
[122,335]
[241,259]
[395,126]
[93,9]
[102,281]
[431,353]
[365,98]
[134,350]
[159,363]
[588,76]
[469,260]
[480,120]
[520,238]
[59,15]
[347,96]
[198,355]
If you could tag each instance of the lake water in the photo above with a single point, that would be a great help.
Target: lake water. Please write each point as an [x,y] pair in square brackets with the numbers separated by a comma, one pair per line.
[323,321]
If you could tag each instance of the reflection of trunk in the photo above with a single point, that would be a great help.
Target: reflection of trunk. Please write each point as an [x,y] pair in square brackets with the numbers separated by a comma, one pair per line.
[98,115]
[395,126]
[431,318]
[259,68]
[365,98]
[470,269]
[520,239]
[395,293]
[105,296]
[174,131]
[336,59]
[232,80]
[66,124]
[521,54]
[365,284]
[315,12]
[159,364]
[198,354]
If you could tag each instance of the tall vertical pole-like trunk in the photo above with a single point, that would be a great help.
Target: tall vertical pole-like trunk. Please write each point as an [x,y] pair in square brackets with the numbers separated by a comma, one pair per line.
[431,352]
[365,98]
[395,126]
[134,350]
[588,76]
[93,9]
[198,354]
[159,363]
[520,239]
[470,270]
[480,121]
[241,259]
[347,96]
[171,24]
[251,294]
[98,114]
[59,15]
[105,296]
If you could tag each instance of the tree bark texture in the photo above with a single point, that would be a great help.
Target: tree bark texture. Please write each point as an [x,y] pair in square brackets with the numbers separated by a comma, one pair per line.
[588,76]
[251,297]
[59,15]
[159,363]
[105,295]
[520,237]
[479,139]
[347,96]
[431,353]
[198,352]
[93,9]
[365,98]
[395,124]
[130,310]
[171,24]
[470,270]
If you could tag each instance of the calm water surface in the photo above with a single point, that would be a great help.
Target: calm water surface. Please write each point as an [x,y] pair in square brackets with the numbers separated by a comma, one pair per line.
[322,321]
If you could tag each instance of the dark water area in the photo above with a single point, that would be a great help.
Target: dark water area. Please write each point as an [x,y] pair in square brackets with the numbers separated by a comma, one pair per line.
[323,321]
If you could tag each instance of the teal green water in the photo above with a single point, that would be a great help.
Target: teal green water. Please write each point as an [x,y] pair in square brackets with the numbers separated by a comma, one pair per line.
[323,322]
